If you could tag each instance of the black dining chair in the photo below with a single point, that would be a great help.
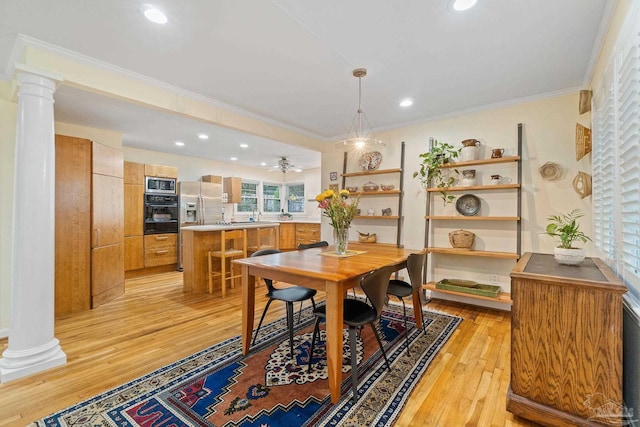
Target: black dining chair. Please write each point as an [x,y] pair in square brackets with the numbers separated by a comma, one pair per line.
[401,289]
[320,244]
[358,313]
[289,295]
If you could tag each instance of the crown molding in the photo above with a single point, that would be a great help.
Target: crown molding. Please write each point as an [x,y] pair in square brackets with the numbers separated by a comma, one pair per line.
[24,41]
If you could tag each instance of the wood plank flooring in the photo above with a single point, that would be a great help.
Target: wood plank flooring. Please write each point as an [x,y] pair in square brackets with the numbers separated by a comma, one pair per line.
[155,324]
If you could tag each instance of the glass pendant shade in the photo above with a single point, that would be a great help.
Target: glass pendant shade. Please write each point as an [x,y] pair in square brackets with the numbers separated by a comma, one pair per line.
[360,135]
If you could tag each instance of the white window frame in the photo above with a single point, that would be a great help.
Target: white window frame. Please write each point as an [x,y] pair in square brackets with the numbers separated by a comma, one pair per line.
[287,187]
[616,155]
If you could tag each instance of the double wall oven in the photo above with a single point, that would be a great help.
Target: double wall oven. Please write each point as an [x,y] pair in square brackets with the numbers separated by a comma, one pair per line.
[160,213]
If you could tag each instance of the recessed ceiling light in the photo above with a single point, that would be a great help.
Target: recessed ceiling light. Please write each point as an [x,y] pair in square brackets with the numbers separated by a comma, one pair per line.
[234,159]
[154,14]
[461,5]
[244,146]
[203,136]
[179,143]
[406,102]
[263,164]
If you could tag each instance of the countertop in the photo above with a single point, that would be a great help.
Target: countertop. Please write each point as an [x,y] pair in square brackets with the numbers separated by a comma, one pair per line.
[231,226]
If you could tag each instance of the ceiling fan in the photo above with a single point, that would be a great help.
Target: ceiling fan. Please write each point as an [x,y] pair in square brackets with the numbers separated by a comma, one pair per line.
[284,165]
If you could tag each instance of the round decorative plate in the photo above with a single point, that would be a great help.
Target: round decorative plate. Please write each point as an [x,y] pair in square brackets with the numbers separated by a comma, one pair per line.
[468,205]
[370,161]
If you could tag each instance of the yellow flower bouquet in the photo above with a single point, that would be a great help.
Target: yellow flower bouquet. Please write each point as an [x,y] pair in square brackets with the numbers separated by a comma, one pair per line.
[340,211]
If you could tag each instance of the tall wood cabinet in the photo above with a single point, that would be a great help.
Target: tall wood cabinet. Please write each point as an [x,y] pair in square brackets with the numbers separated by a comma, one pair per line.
[89,225]
[566,342]
[134,215]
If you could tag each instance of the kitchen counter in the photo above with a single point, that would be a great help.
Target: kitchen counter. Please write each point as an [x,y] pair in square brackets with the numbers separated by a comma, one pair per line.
[230,226]
[198,240]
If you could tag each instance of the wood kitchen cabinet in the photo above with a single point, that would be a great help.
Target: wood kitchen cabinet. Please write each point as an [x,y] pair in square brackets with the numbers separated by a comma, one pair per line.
[89,224]
[134,173]
[160,249]
[566,342]
[161,171]
[133,215]
[72,226]
[107,224]
[233,187]
[133,253]
[307,233]
[287,236]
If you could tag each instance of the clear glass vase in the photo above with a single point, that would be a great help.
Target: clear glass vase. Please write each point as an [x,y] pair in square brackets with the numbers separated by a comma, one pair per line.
[341,240]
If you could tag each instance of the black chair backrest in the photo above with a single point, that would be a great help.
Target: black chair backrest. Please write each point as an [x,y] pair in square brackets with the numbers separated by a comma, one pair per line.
[375,286]
[261,252]
[415,263]
[320,244]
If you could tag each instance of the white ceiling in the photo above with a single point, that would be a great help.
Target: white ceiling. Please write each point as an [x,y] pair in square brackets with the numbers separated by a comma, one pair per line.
[290,61]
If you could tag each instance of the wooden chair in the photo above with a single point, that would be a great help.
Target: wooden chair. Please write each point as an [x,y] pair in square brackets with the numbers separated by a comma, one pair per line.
[233,244]
[263,238]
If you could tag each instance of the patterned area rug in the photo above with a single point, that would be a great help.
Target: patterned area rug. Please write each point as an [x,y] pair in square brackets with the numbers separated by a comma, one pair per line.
[220,387]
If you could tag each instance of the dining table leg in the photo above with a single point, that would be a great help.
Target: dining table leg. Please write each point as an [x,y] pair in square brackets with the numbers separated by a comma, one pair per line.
[248,308]
[417,309]
[334,297]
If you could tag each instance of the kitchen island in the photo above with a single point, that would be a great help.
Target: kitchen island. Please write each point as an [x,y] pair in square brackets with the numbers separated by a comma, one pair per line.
[198,240]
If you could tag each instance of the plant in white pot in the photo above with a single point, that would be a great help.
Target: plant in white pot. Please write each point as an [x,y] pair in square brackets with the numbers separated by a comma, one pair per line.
[567,229]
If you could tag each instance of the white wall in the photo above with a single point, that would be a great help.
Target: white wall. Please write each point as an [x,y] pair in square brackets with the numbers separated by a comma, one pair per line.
[549,135]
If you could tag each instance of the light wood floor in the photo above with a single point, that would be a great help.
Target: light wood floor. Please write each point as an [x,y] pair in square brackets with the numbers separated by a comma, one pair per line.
[155,324]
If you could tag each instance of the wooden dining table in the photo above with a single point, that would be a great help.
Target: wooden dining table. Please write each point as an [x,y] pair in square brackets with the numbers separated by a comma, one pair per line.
[320,269]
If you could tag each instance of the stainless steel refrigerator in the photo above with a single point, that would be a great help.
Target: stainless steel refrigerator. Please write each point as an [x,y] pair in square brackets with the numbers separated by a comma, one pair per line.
[200,204]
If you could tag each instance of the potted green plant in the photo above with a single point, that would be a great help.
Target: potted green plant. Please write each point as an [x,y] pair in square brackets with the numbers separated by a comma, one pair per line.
[431,173]
[566,228]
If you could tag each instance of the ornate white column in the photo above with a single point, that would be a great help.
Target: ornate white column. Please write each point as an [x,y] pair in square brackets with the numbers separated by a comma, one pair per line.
[32,346]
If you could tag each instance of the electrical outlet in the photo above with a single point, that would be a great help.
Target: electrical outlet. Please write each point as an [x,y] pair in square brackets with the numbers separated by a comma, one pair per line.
[493,279]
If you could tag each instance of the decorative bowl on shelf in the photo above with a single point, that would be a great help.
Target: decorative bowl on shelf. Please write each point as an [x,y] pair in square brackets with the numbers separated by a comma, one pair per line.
[387,187]
[351,189]
[370,186]
[468,205]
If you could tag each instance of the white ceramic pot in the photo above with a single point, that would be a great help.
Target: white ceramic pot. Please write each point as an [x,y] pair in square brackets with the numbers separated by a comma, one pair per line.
[568,256]
[470,150]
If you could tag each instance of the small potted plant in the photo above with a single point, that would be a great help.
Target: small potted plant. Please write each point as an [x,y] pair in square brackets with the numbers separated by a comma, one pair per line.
[566,228]
[431,174]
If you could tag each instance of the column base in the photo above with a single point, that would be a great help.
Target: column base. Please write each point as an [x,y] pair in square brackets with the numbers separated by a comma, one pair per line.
[18,364]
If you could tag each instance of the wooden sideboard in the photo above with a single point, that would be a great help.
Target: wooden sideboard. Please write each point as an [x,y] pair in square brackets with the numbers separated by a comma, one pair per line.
[566,342]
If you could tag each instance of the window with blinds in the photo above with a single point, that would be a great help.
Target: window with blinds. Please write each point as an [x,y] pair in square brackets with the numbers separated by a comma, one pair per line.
[616,160]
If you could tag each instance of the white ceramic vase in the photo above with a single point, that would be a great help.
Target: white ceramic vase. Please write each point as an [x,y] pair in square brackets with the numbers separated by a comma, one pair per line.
[568,256]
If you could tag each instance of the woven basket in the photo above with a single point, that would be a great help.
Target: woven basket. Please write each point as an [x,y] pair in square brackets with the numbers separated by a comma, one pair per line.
[461,239]
[371,238]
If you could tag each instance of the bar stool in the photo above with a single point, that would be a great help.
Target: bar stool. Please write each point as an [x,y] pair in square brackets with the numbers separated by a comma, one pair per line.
[237,249]
[265,238]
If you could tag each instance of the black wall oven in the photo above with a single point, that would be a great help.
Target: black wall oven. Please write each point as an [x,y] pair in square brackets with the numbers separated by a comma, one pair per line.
[160,213]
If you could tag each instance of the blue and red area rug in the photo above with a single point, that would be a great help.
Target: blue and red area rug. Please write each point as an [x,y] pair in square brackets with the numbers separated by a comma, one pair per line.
[220,387]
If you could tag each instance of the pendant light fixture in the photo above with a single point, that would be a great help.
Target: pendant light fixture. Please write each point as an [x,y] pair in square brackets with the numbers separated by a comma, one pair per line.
[360,135]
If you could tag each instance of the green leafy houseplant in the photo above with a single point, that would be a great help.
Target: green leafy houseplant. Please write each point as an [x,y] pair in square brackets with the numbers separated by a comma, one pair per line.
[430,173]
[566,228]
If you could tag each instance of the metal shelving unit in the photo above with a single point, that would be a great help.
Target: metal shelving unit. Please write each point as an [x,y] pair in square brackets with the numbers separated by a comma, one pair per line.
[431,220]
